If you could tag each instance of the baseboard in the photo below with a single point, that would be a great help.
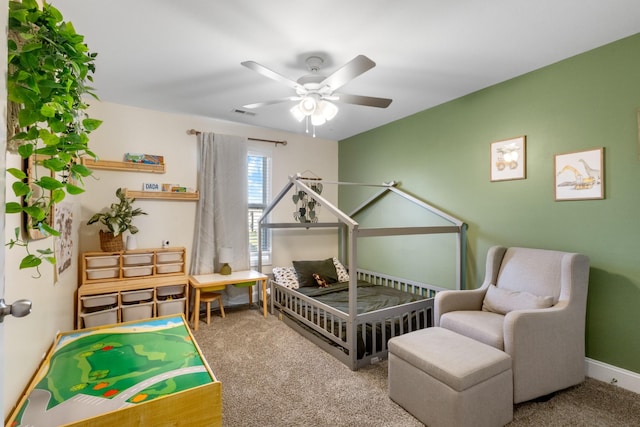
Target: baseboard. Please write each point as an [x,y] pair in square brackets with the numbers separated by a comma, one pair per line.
[613,375]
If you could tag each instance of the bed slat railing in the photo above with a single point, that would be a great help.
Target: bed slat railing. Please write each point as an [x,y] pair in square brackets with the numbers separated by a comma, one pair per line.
[399,320]
[411,286]
[320,317]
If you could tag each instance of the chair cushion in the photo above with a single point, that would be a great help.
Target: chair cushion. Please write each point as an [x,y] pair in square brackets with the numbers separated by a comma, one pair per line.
[537,271]
[483,326]
[244,284]
[502,301]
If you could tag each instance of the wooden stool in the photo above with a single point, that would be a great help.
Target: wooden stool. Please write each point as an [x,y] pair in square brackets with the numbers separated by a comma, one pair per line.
[208,297]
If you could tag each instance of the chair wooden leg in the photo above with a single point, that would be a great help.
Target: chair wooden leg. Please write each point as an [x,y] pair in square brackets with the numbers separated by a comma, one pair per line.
[208,312]
[221,307]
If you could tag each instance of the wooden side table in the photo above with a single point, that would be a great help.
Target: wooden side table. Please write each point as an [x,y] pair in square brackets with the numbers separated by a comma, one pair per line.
[204,281]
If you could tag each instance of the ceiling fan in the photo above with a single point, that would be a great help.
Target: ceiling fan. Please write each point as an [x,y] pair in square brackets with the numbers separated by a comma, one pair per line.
[316,93]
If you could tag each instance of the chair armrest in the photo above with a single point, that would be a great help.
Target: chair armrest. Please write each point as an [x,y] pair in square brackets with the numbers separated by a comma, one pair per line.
[545,343]
[447,301]
[554,324]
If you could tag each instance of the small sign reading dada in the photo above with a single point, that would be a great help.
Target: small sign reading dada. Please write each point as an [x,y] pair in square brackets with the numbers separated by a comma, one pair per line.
[151,186]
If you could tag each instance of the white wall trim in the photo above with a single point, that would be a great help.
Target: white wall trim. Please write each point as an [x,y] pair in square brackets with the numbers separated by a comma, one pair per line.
[613,375]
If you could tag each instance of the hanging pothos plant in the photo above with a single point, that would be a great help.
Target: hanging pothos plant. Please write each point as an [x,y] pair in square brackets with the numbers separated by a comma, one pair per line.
[48,68]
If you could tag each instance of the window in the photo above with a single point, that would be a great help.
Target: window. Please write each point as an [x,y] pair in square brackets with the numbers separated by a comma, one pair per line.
[259,184]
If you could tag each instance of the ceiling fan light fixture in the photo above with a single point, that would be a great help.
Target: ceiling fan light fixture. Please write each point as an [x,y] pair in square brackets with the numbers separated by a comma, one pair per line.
[318,120]
[328,109]
[308,105]
[297,113]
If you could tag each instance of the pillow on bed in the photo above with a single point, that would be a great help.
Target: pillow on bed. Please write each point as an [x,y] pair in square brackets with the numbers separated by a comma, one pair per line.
[286,276]
[343,275]
[502,301]
[306,269]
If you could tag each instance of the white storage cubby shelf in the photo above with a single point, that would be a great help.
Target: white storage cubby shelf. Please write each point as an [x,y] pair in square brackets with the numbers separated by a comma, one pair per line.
[131,285]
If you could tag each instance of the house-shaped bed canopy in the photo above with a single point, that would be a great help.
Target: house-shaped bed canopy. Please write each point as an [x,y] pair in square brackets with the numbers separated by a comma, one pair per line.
[352,230]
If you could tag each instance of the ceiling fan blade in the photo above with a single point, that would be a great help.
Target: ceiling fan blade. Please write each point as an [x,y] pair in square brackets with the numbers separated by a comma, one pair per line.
[348,72]
[252,65]
[368,101]
[273,101]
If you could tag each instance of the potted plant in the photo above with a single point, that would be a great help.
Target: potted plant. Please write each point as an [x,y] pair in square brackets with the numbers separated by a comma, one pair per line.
[118,219]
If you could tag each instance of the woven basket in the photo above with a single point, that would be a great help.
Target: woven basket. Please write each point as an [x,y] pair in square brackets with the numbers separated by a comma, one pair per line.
[110,243]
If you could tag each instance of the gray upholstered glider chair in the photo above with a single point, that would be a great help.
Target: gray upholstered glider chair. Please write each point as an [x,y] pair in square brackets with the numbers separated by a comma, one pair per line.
[532,305]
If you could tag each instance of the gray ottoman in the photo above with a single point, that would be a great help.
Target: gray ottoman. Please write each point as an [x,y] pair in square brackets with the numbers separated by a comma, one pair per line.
[445,379]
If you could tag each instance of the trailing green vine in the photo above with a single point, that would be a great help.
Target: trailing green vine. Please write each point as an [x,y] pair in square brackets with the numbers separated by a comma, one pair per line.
[49,66]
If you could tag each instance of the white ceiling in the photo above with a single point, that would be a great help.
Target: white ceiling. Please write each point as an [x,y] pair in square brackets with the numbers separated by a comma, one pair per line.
[183,56]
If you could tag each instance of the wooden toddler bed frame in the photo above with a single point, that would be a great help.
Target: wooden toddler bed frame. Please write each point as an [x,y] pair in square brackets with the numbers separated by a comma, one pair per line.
[359,338]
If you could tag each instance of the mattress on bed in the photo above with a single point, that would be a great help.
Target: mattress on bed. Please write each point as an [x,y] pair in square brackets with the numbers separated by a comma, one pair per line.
[370,297]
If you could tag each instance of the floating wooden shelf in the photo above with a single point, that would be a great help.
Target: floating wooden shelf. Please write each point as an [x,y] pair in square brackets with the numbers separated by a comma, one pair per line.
[122,166]
[162,195]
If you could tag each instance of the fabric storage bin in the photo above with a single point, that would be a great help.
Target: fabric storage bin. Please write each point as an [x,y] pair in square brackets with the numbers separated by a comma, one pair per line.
[102,273]
[99,318]
[171,306]
[99,300]
[167,257]
[140,270]
[142,295]
[163,292]
[168,268]
[103,261]
[137,259]
[137,311]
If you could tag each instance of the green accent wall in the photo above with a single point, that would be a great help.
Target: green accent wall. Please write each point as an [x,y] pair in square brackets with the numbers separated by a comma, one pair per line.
[442,156]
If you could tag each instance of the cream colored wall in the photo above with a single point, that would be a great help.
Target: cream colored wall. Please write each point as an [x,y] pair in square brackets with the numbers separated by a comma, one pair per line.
[129,129]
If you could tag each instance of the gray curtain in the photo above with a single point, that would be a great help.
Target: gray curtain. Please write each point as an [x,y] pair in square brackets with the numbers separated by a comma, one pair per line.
[221,218]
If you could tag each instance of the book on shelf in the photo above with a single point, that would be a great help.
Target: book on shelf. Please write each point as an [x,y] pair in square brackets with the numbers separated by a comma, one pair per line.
[147,159]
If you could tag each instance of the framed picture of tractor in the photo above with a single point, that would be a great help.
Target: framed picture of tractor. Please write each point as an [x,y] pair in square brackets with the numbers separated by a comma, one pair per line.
[509,159]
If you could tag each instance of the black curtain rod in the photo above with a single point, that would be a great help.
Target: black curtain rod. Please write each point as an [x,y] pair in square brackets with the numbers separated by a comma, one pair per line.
[273,141]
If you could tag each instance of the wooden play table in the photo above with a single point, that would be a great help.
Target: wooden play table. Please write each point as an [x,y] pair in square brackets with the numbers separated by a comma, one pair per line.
[145,373]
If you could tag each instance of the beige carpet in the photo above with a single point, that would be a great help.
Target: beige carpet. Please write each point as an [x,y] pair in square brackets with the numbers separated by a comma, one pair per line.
[272,376]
